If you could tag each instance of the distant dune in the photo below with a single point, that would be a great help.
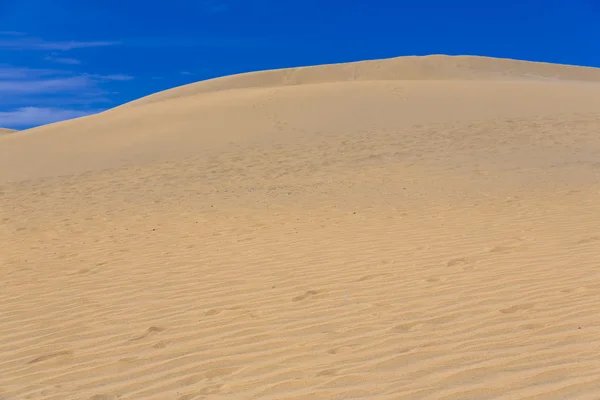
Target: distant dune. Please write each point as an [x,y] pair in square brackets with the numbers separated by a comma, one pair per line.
[5,131]
[411,228]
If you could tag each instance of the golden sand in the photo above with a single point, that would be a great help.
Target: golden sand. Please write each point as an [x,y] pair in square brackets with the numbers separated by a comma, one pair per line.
[413,228]
[6,131]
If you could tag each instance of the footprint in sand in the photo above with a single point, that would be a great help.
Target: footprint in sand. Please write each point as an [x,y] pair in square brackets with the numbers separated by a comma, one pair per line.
[369,277]
[328,372]
[47,357]
[404,327]
[213,389]
[340,350]
[306,295]
[104,397]
[189,396]
[503,249]
[149,332]
[514,309]
[466,264]
[591,239]
[162,344]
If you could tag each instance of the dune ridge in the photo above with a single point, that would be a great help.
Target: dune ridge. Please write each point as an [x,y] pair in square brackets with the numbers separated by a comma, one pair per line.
[369,239]
[432,67]
[6,131]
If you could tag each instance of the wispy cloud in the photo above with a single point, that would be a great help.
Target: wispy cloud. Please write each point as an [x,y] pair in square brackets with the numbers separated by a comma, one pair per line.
[43,86]
[30,43]
[96,97]
[35,44]
[199,42]
[31,116]
[63,60]
[16,81]
[114,77]
[12,33]
[17,41]
[9,72]
[29,96]
[22,80]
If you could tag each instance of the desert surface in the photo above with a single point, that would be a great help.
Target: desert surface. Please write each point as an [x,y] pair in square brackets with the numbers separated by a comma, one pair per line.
[408,228]
[6,131]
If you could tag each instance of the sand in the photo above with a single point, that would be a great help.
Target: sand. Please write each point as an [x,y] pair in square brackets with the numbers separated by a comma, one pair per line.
[4,131]
[413,228]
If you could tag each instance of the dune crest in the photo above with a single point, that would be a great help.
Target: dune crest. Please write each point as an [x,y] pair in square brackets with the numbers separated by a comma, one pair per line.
[432,67]
[6,131]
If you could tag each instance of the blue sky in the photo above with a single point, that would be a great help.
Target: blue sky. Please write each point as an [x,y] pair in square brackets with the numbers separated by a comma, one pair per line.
[61,59]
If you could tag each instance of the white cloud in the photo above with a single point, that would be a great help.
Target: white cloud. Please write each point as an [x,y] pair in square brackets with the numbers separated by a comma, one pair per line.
[29,96]
[113,77]
[96,98]
[10,72]
[63,60]
[30,43]
[31,81]
[198,42]
[33,116]
[44,86]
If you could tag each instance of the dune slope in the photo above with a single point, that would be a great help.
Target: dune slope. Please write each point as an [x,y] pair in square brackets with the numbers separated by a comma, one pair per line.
[391,94]
[6,131]
[333,235]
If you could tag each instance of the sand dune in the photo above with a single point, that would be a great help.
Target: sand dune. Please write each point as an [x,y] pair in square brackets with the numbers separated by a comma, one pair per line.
[384,94]
[434,67]
[413,228]
[4,131]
